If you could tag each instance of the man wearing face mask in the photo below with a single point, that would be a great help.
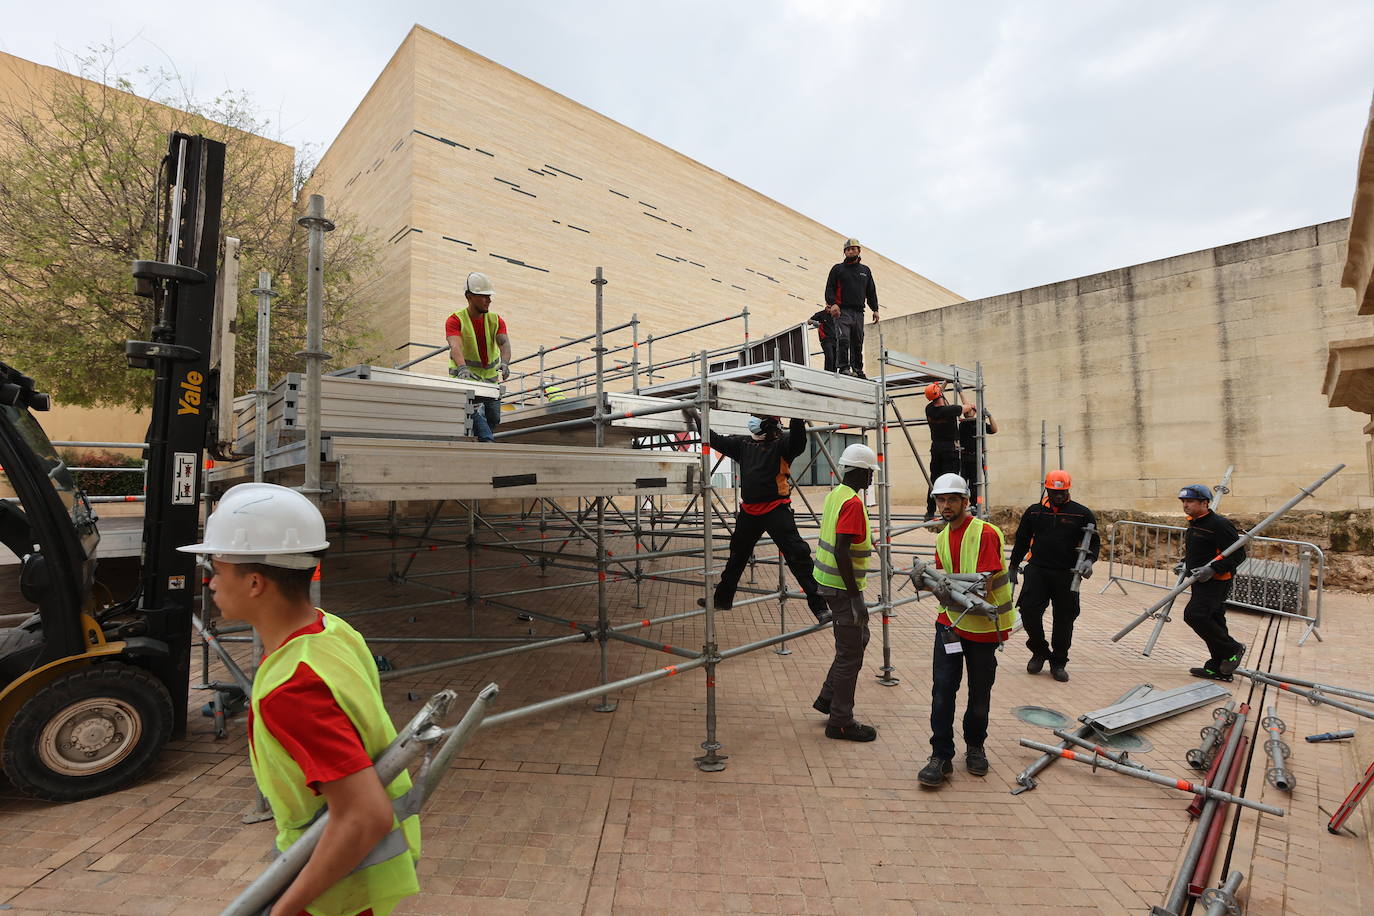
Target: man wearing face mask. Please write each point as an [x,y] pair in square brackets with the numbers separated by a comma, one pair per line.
[765,459]
[1048,538]
[849,285]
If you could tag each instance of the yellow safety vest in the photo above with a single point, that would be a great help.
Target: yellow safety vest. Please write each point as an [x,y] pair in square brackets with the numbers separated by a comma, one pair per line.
[553,393]
[490,370]
[999,584]
[341,659]
[824,567]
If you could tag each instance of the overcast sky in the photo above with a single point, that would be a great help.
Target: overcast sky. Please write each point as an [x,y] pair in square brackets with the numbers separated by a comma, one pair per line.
[992,147]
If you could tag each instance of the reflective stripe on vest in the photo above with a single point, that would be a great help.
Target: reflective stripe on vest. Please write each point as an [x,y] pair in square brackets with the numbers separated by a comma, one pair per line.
[998,585]
[825,569]
[553,393]
[341,659]
[472,356]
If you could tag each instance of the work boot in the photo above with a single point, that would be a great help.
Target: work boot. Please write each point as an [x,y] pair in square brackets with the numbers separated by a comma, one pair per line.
[976,761]
[822,705]
[701,602]
[851,732]
[1036,664]
[1229,665]
[1059,673]
[823,614]
[1209,672]
[935,771]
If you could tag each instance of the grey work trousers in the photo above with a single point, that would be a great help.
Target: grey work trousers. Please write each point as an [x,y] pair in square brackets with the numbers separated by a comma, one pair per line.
[851,638]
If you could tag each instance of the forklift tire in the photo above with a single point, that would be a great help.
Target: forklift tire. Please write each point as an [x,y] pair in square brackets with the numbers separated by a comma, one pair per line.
[88,732]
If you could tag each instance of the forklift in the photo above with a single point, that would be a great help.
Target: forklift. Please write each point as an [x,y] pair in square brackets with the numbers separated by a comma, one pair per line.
[90,694]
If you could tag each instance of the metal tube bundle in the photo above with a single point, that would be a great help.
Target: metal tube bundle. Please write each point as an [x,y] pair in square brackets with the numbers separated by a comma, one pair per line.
[1277,775]
[1313,696]
[962,590]
[1083,548]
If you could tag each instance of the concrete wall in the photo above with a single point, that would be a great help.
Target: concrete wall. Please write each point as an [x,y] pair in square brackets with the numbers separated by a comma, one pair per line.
[508,177]
[1162,374]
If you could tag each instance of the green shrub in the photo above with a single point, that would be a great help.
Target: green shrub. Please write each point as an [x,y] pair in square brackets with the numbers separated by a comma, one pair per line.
[105,483]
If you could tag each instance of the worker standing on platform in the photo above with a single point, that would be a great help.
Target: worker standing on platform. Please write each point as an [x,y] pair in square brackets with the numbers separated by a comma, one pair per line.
[965,638]
[849,285]
[1207,536]
[825,321]
[764,458]
[842,560]
[317,720]
[968,452]
[479,348]
[1048,537]
[943,419]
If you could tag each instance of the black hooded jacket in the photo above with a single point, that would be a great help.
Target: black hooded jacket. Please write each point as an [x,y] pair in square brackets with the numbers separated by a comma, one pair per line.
[849,284]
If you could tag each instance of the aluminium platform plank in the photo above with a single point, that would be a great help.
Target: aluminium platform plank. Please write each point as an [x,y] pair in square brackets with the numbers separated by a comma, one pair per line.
[1153,706]
[618,432]
[795,376]
[783,402]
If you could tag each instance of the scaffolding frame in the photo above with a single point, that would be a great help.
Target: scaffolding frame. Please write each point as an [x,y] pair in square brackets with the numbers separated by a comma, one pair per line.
[720,381]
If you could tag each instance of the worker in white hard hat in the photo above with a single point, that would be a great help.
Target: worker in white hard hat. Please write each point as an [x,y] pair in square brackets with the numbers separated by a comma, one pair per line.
[479,349]
[965,639]
[843,555]
[765,459]
[318,721]
[849,286]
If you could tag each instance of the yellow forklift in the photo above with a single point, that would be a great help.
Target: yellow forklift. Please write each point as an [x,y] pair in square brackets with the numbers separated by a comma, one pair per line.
[90,694]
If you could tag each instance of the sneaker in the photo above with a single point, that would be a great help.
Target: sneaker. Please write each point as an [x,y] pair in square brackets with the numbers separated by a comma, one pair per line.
[1228,666]
[851,732]
[1036,664]
[1208,672]
[935,771]
[975,761]
[1059,673]
[822,705]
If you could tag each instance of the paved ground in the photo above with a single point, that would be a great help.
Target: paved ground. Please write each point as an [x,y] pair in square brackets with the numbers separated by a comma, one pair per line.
[577,811]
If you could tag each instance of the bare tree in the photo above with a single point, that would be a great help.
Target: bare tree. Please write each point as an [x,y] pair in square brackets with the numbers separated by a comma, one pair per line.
[79,160]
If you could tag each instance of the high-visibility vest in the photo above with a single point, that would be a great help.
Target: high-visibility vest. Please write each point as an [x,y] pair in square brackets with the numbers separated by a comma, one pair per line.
[490,370]
[824,567]
[553,393]
[341,659]
[998,586]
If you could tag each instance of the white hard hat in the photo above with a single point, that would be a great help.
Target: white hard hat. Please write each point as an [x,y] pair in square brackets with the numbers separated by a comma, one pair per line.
[950,483]
[480,284]
[859,455]
[263,523]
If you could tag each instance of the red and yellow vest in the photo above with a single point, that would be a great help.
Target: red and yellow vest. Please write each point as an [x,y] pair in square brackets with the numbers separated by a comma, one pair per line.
[998,586]
[825,568]
[340,657]
[490,370]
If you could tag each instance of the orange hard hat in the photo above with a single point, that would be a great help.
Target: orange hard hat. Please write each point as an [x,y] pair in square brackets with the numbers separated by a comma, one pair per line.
[1058,480]
[934,391]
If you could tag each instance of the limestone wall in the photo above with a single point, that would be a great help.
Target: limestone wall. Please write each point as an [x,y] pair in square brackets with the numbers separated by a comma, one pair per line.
[1162,374]
[508,177]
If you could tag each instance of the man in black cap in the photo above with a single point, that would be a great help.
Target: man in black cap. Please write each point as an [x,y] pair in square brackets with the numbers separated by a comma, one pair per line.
[1208,535]
[849,285]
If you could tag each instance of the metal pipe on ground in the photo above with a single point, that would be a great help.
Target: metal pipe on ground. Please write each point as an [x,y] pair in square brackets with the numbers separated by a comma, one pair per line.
[1121,757]
[1311,695]
[1222,900]
[1198,883]
[1026,778]
[1204,755]
[1335,691]
[1278,750]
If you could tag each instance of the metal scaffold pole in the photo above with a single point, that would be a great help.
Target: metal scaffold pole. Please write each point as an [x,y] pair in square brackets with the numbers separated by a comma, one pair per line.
[602,602]
[316,226]
[711,761]
[884,524]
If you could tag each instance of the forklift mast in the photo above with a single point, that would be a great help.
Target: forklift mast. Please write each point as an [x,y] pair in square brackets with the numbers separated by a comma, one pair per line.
[182,287]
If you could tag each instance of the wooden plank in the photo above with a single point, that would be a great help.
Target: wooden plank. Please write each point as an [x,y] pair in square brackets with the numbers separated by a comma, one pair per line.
[759,400]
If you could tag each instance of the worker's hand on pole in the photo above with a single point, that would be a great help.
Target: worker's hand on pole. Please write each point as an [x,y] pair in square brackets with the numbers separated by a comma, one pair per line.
[875,316]
[505,372]
[1203,573]
[1013,575]
[1085,568]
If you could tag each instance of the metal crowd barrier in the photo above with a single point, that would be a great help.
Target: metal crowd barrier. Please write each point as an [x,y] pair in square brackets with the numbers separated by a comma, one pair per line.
[1274,579]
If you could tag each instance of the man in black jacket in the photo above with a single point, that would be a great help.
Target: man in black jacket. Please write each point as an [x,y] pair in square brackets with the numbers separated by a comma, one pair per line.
[943,419]
[1208,535]
[1048,539]
[969,468]
[764,458]
[848,286]
[825,321]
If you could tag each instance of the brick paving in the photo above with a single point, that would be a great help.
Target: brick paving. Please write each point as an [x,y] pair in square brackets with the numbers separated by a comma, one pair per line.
[576,811]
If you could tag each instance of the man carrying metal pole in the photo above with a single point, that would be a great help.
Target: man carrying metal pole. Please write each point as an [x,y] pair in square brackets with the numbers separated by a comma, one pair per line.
[317,716]
[841,571]
[1048,538]
[1208,535]
[966,545]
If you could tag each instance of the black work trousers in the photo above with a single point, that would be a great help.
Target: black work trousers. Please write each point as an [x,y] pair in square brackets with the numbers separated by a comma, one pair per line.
[849,332]
[1206,614]
[828,347]
[1040,587]
[968,469]
[944,459]
[946,675]
[851,638]
[781,526]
